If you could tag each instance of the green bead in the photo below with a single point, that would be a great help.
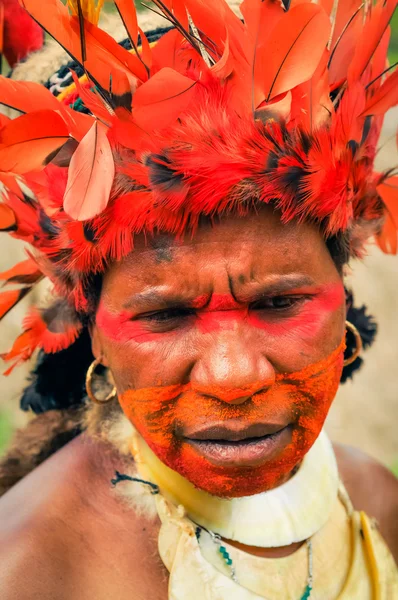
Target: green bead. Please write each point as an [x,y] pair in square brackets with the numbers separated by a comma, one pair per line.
[228,561]
[222,549]
[307,593]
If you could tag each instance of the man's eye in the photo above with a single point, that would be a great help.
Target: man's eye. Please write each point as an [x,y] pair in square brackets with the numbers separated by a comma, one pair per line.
[166,316]
[278,303]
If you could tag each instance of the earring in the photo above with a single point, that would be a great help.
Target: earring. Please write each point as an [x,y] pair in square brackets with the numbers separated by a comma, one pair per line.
[89,385]
[358,341]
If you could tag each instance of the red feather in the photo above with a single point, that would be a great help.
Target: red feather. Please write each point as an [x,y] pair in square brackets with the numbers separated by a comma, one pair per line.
[260,18]
[293,50]
[146,52]
[343,48]
[92,101]
[376,24]
[51,337]
[384,98]
[311,104]
[90,176]
[162,99]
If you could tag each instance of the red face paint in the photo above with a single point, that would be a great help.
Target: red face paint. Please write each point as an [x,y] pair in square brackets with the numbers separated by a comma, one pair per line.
[121,328]
[303,399]
[222,311]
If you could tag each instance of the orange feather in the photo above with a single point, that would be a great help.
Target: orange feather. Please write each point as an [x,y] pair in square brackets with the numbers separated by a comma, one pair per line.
[103,52]
[9,299]
[90,176]
[293,50]
[11,184]
[128,14]
[7,218]
[26,142]
[162,99]
[25,272]
[26,96]
[387,239]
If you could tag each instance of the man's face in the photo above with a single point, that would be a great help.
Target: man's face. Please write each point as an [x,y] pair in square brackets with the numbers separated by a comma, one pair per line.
[226,350]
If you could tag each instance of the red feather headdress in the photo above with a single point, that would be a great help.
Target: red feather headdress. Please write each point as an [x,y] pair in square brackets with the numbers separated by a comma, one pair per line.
[285,106]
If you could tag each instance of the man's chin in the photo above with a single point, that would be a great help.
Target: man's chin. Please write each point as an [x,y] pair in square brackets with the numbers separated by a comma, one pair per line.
[237,481]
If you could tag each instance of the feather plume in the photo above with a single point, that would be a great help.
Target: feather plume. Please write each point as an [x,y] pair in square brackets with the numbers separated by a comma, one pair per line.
[51,330]
[26,142]
[7,218]
[103,52]
[384,98]
[25,273]
[344,47]
[26,96]
[128,14]
[387,239]
[166,95]
[90,176]
[293,50]
[9,299]
[375,26]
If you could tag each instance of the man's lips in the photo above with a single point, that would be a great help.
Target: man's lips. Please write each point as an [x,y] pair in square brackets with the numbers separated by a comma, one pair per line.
[249,447]
[232,431]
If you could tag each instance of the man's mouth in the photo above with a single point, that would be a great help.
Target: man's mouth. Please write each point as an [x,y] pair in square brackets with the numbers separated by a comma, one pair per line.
[237,446]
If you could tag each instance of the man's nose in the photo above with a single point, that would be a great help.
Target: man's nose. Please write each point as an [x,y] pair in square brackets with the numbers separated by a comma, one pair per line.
[232,369]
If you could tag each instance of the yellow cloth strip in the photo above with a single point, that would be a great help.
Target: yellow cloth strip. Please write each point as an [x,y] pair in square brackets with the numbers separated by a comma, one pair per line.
[367,540]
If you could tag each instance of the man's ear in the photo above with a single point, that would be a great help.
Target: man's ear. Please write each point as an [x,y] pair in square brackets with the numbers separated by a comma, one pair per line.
[97,344]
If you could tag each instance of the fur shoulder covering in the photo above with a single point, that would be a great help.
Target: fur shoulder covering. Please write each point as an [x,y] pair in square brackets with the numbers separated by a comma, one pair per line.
[44,435]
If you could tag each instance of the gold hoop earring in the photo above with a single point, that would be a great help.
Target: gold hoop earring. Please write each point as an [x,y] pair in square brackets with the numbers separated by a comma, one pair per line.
[89,385]
[358,340]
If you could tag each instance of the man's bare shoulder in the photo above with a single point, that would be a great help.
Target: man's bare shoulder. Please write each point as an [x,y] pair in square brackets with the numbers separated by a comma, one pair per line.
[27,569]
[64,534]
[372,488]
[31,559]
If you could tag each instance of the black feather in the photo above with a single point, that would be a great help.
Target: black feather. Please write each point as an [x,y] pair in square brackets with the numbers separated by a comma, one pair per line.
[58,380]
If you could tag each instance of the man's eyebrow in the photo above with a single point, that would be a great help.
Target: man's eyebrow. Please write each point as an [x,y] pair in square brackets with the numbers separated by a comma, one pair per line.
[158,297]
[281,285]
[161,298]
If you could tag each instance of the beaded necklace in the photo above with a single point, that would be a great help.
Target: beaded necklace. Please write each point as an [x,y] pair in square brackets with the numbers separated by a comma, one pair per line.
[218,541]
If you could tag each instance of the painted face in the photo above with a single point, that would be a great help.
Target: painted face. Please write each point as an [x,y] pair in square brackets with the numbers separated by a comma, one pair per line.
[226,350]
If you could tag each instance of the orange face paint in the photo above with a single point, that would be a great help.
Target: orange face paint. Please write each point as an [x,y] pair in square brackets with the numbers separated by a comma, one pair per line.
[301,399]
